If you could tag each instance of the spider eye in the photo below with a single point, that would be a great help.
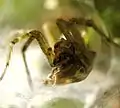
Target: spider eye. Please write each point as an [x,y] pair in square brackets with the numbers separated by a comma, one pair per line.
[58,59]
[56,46]
[63,59]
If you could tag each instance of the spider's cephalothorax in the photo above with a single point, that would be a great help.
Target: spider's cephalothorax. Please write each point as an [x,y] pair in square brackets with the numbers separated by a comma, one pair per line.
[64,53]
[70,63]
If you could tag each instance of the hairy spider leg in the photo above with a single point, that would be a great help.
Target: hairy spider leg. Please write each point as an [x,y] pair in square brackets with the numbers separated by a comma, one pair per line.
[34,34]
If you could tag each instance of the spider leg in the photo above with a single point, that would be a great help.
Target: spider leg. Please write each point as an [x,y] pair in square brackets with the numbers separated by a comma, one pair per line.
[26,45]
[43,45]
[34,34]
[8,60]
[90,23]
[108,38]
[11,45]
[70,32]
[63,27]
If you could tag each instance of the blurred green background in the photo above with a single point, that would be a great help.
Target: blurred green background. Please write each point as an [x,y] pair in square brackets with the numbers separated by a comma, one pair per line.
[110,12]
[21,12]
[27,13]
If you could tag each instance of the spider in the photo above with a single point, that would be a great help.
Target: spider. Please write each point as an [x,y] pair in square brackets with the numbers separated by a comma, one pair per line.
[71,60]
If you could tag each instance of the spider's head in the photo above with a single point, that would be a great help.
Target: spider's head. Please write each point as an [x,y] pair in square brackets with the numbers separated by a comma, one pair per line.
[70,63]
[64,61]
[64,54]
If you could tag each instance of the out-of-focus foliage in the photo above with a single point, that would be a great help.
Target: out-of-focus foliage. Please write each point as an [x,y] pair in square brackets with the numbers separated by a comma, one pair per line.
[110,12]
[23,11]
[61,103]
[19,13]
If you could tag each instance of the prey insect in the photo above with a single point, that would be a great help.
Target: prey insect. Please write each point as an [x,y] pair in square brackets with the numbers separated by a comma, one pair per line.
[71,60]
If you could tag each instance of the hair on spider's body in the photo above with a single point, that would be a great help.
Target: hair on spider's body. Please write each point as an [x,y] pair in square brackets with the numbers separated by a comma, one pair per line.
[70,63]
[71,60]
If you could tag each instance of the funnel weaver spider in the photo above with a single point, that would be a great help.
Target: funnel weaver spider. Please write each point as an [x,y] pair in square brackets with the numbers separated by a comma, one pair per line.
[71,60]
